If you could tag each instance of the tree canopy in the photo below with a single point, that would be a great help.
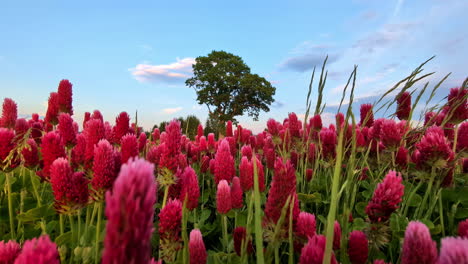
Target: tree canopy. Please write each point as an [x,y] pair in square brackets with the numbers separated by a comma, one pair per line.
[224,83]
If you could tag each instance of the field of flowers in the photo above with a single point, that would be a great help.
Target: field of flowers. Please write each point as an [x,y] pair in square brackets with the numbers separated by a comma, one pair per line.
[383,190]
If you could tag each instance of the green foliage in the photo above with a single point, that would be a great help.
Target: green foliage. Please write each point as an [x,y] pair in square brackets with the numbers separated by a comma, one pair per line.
[225,84]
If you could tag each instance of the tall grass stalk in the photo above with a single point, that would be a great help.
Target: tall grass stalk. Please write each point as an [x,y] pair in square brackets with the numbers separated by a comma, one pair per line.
[258,217]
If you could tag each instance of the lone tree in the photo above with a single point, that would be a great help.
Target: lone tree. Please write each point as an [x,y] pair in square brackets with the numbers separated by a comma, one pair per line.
[224,83]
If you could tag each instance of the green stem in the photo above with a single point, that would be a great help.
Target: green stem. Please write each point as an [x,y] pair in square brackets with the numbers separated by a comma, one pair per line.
[441,215]
[290,233]
[277,255]
[61,224]
[426,195]
[10,206]
[184,232]
[87,219]
[79,226]
[455,139]
[225,233]
[258,220]
[406,206]
[334,199]
[98,233]
[166,193]
[36,193]
[250,199]
[72,228]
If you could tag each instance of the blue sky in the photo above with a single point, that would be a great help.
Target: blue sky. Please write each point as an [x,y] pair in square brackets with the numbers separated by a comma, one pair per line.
[123,56]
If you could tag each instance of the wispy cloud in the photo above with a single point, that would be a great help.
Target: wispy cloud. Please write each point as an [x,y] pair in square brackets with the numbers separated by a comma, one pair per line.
[169,73]
[307,62]
[387,70]
[277,104]
[389,34]
[368,15]
[170,111]
[398,7]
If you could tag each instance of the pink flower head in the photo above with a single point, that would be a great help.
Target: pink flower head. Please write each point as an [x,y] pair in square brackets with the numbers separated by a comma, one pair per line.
[376,128]
[305,226]
[418,246]
[434,149]
[390,134]
[130,213]
[122,125]
[200,131]
[129,147]
[197,249]
[328,141]
[9,251]
[246,151]
[7,144]
[36,131]
[462,143]
[190,189]
[97,115]
[283,185]
[78,152]
[205,164]
[386,198]
[273,127]
[223,197]
[316,123]
[153,155]
[236,194]
[211,142]
[453,250]
[171,151]
[70,189]
[65,95]
[245,173]
[142,141]
[30,154]
[294,158]
[87,117]
[463,228]
[104,171]
[311,153]
[314,251]
[458,105]
[402,157]
[156,134]
[240,235]
[229,129]
[224,163]
[66,130]
[52,148]
[403,106]
[52,109]
[39,251]
[358,247]
[336,236]
[294,125]
[94,131]
[21,127]
[202,144]
[9,113]
[367,116]
[170,222]
[309,174]
[340,120]
[212,166]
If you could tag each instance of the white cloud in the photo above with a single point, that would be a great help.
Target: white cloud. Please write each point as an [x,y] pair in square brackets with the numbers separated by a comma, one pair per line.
[172,110]
[173,72]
